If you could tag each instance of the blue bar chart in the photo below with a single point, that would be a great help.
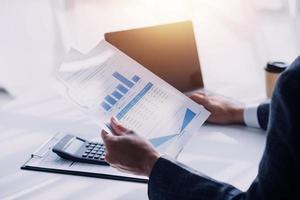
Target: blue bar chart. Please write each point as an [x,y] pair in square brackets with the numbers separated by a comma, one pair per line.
[135,78]
[110,100]
[134,101]
[117,95]
[122,88]
[123,79]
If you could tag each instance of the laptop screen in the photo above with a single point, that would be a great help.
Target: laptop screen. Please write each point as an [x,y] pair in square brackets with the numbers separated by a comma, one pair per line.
[169,51]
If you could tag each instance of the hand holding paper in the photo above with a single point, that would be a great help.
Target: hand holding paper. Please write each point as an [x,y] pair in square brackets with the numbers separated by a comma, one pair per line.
[127,151]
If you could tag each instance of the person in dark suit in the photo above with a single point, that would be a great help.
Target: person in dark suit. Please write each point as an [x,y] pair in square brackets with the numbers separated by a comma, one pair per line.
[279,170]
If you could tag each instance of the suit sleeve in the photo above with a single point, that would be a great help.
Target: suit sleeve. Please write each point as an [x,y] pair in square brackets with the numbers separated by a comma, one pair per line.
[263,112]
[171,180]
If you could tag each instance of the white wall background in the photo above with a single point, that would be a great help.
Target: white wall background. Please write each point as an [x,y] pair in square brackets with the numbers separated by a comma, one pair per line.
[235,37]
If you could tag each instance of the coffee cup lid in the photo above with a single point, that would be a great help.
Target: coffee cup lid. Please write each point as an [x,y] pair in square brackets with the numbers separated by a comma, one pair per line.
[276,67]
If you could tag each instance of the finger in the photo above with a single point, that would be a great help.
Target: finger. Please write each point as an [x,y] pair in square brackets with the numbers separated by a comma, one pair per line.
[129,132]
[194,96]
[118,128]
[120,168]
[197,93]
[109,159]
[202,93]
[124,170]
[112,165]
[201,99]
[190,95]
[106,137]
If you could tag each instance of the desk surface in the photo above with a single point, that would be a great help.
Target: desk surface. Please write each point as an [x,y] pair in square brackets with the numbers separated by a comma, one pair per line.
[229,153]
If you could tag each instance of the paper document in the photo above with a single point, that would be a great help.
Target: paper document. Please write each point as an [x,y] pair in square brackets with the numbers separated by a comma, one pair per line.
[106,83]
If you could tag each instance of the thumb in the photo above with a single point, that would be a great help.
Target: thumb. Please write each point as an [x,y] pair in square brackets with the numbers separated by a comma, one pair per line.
[118,128]
[106,136]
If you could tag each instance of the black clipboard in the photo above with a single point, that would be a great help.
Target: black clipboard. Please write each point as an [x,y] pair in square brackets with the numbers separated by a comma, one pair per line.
[41,159]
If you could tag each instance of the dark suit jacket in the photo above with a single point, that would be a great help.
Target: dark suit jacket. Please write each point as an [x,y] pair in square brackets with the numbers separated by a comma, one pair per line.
[279,170]
[263,112]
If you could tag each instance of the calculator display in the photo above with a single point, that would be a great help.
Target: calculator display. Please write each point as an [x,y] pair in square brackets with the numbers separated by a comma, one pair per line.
[74,146]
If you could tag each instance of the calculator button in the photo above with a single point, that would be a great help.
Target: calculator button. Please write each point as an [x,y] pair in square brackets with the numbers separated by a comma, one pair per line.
[102,157]
[97,156]
[87,151]
[91,156]
[85,155]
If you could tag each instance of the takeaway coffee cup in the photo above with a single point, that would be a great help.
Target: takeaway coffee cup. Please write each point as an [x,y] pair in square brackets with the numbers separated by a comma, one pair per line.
[273,70]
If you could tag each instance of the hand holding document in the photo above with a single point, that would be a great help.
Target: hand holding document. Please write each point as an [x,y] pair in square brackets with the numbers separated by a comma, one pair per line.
[106,83]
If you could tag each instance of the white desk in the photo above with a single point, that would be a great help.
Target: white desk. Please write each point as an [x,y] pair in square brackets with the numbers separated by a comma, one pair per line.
[228,153]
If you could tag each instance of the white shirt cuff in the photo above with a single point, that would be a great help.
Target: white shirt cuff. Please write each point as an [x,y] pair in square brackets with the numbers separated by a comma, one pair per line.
[250,116]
